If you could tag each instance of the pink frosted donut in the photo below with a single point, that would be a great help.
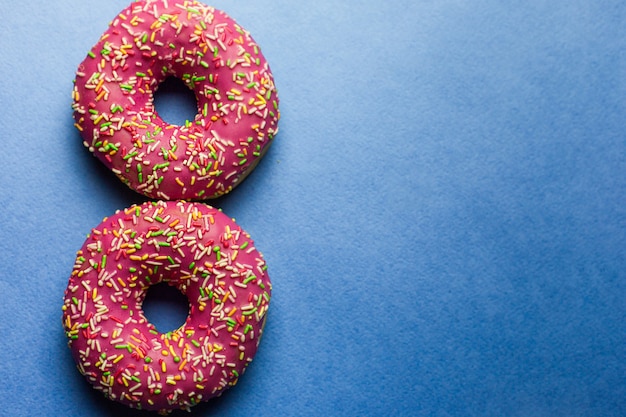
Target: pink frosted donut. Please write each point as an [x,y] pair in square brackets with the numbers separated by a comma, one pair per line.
[216,58]
[198,250]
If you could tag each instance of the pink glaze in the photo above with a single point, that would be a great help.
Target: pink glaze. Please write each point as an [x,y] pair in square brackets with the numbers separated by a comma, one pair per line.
[216,58]
[194,248]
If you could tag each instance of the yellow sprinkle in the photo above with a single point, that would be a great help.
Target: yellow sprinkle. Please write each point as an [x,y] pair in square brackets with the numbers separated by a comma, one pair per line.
[99,86]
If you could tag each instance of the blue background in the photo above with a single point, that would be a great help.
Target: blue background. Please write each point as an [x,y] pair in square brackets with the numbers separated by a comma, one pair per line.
[443,211]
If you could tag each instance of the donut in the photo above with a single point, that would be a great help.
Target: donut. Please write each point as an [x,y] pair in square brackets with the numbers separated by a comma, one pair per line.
[113,100]
[194,248]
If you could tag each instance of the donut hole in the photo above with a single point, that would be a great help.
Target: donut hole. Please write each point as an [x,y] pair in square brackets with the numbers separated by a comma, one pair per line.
[165,307]
[174,102]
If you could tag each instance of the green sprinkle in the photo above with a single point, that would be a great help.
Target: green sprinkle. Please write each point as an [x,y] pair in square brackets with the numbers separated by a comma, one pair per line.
[130,155]
[250,278]
[147,359]
[140,74]
[243,245]
[249,312]
[75,300]
[91,54]
[204,64]
[161,166]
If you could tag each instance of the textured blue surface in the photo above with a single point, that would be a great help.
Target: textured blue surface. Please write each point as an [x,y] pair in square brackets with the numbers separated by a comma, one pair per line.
[443,211]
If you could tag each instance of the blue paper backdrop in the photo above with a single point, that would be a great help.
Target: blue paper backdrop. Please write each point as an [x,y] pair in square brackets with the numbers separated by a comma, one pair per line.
[443,211]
